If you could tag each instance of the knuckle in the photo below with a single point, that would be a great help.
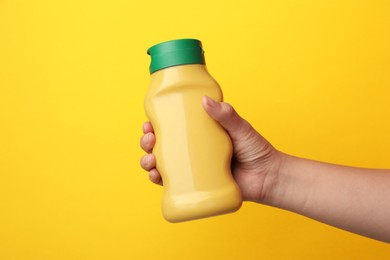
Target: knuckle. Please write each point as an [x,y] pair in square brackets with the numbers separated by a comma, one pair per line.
[142,162]
[228,110]
[152,178]
[247,130]
[141,141]
[147,161]
[146,142]
[148,137]
[155,177]
[142,144]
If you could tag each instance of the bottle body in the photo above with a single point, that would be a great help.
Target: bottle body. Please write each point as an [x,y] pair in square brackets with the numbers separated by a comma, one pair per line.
[193,152]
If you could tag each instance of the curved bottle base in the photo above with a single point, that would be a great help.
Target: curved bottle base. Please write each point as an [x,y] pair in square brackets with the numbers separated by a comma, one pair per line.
[201,204]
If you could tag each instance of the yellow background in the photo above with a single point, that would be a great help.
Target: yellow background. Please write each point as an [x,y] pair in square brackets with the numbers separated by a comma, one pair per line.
[312,76]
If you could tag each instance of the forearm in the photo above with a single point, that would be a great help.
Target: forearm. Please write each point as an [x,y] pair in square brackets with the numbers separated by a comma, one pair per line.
[354,199]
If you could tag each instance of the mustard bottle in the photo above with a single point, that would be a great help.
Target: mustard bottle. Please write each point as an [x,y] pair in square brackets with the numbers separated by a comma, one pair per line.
[193,152]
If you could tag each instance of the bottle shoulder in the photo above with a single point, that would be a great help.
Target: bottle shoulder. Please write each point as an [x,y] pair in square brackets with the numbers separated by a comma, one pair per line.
[193,77]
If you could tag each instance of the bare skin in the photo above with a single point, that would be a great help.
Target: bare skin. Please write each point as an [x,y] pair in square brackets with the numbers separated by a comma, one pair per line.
[353,199]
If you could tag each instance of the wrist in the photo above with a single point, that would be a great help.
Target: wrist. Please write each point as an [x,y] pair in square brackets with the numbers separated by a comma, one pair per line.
[273,182]
[280,186]
[291,184]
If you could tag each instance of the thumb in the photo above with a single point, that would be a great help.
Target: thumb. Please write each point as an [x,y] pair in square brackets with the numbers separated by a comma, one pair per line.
[225,114]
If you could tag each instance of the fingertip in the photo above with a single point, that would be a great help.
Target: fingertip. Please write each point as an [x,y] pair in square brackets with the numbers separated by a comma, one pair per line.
[225,114]
[219,111]
[208,102]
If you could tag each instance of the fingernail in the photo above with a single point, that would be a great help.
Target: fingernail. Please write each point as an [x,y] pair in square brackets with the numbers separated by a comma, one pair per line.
[209,101]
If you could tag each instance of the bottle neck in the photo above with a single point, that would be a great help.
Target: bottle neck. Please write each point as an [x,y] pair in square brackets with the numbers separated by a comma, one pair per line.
[182,71]
[182,74]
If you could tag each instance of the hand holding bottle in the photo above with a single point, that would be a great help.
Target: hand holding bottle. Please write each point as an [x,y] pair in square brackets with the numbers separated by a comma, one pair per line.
[255,161]
[350,198]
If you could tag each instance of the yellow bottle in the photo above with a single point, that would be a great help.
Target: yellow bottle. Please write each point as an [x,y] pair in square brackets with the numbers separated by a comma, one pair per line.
[193,152]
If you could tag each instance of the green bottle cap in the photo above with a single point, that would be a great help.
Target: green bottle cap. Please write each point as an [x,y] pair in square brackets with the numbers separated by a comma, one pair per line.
[174,53]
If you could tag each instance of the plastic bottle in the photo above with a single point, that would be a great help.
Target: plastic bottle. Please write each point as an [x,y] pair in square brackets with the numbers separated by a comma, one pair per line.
[193,152]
